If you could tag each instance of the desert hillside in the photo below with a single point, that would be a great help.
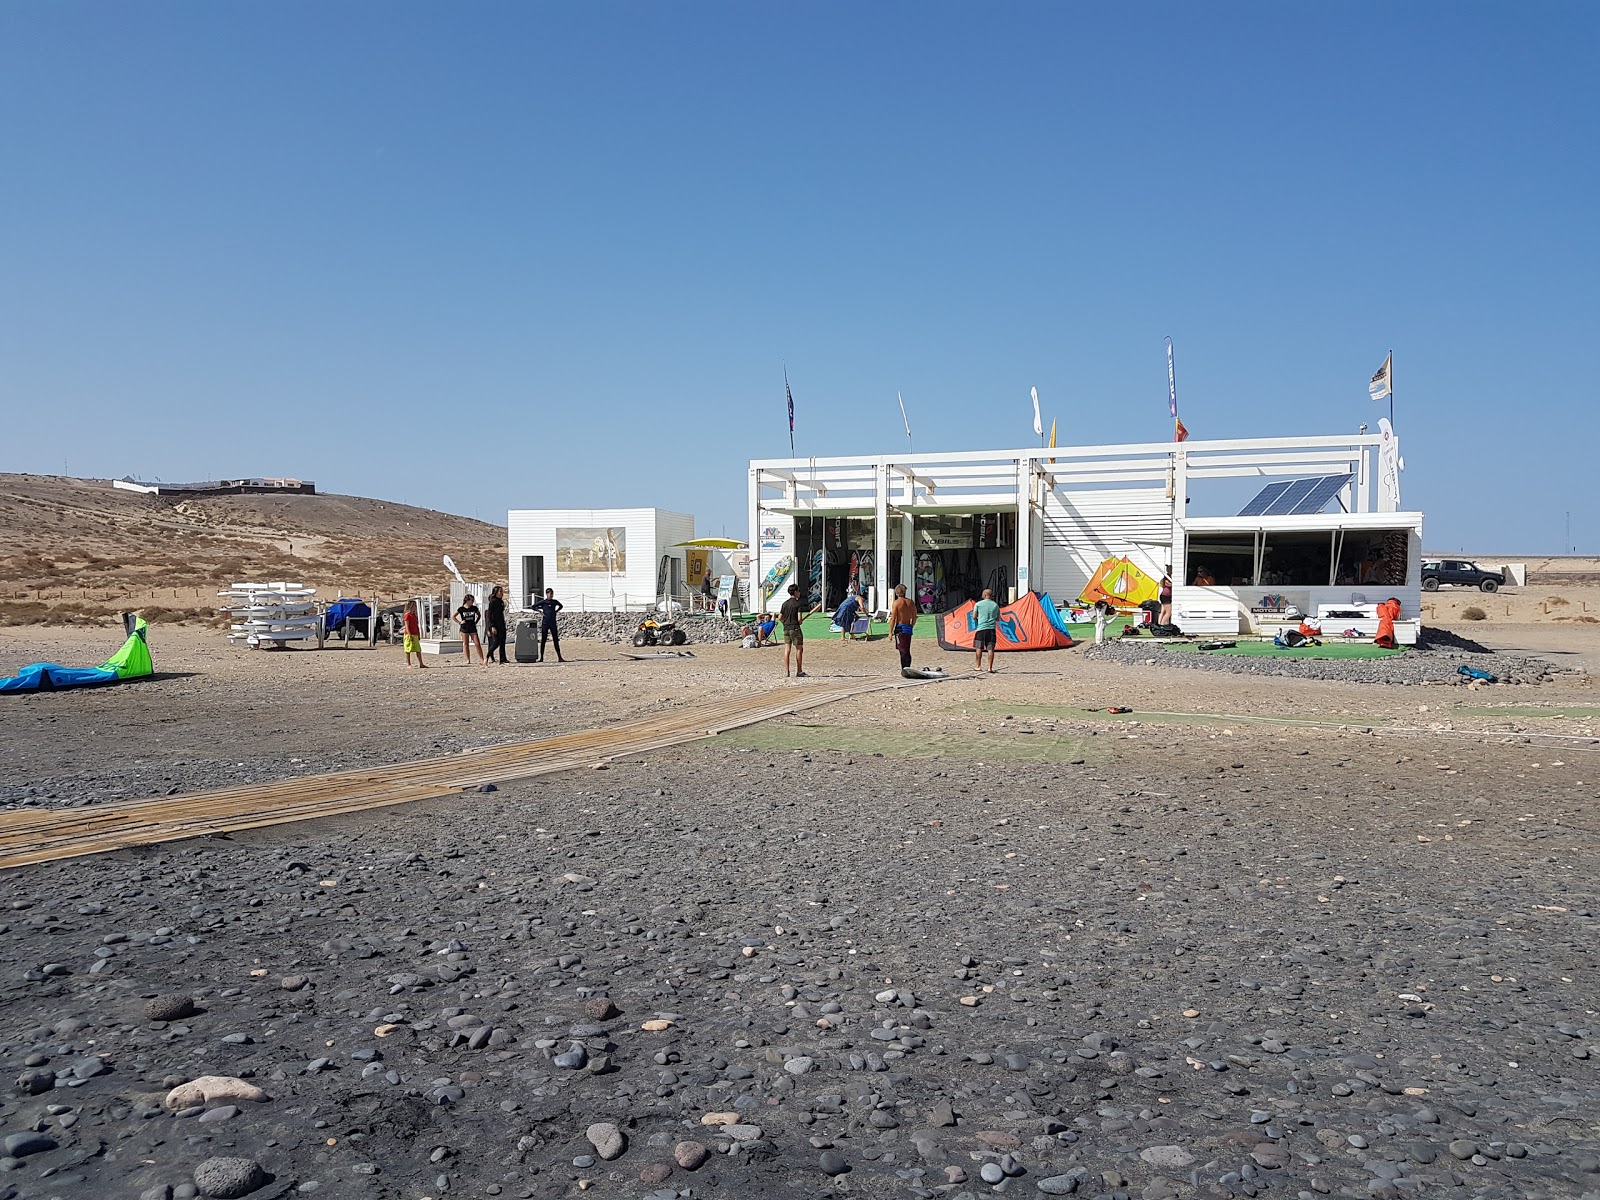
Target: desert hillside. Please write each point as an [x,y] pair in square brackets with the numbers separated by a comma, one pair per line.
[74,548]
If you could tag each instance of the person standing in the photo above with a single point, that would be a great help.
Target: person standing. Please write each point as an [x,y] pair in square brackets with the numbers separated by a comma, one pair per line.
[845,618]
[411,638]
[467,617]
[548,608]
[793,615]
[903,619]
[986,614]
[1164,617]
[494,621]
[708,590]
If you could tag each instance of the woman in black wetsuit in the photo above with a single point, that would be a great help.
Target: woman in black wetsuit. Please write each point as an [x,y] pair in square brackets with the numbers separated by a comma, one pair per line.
[494,623]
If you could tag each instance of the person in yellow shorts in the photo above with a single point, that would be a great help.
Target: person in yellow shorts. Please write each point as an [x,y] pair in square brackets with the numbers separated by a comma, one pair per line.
[412,639]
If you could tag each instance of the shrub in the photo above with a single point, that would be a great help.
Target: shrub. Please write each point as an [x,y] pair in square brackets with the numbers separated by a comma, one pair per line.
[1474,614]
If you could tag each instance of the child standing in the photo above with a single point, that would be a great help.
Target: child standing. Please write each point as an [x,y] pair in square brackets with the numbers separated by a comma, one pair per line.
[1102,615]
[412,640]
[467,617]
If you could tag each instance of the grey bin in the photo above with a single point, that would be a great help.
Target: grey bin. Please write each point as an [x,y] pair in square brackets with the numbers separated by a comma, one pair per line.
[527,641]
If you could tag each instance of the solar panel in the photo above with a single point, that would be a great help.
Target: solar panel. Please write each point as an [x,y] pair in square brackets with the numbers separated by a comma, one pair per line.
[1326,489]
[1295,497]
[1263,499]
[1290,497]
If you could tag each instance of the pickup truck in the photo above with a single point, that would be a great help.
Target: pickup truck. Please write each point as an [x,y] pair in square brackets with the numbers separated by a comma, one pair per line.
[1458,572]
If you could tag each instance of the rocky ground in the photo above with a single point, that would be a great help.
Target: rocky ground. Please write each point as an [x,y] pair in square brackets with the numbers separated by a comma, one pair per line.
[958,940]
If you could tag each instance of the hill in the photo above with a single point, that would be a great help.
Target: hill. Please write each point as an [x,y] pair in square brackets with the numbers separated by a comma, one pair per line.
[80,548]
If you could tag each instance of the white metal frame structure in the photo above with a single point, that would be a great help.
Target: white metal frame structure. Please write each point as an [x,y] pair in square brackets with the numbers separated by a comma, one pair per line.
[1074,505]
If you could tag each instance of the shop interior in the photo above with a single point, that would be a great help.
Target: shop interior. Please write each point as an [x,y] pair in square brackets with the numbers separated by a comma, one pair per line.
[954,557]
[1298,558]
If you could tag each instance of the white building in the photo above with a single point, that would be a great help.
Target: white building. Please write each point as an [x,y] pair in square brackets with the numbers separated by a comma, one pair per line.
[597,558]
[1044,520]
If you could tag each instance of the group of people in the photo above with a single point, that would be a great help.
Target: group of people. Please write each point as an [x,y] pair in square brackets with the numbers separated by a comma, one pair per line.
[493,615]
[902,623]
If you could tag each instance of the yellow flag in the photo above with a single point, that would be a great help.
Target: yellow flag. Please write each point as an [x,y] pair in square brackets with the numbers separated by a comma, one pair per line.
[1052,435]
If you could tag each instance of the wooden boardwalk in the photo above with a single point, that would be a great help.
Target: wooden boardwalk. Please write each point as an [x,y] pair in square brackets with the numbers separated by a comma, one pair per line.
[30,836]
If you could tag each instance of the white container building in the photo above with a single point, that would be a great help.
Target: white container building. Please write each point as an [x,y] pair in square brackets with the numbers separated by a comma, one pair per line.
[597,559]
[1321,529]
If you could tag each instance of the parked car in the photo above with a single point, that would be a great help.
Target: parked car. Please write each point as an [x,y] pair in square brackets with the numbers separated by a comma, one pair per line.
[1457,572]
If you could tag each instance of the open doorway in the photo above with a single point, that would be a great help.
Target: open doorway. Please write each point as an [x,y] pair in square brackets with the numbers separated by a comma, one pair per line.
[532,578]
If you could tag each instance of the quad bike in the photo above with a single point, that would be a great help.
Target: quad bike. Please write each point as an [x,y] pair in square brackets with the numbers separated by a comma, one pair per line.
[654,632]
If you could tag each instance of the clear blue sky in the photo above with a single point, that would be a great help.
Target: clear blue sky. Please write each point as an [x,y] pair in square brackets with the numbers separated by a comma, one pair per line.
[519,255]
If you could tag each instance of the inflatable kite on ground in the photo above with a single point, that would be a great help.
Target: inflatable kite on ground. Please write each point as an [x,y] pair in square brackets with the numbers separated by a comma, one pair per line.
[131,662]
[1031,622]
[1121,584]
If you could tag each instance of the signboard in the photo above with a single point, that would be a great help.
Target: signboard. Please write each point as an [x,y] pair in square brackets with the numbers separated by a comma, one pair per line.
[944,539]
[725,592]
[586,549]
[697,561]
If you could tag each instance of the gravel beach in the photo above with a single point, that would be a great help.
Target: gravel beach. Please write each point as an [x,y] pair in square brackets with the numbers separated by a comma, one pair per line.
[1258,936]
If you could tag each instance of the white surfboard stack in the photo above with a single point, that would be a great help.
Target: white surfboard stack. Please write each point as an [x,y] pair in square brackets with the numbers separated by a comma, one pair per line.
[273,614]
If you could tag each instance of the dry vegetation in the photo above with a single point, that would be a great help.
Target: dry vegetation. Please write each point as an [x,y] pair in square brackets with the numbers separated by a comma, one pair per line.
[78,551]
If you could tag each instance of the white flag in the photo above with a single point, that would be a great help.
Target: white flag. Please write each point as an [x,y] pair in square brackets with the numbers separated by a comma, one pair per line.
[1038,422]
[903,416]
[450,565]
[1379,387]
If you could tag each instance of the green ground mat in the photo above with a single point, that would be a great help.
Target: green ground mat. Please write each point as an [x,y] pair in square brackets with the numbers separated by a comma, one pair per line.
[1174,718]
[1576,712]
[1268,650]
[905,743]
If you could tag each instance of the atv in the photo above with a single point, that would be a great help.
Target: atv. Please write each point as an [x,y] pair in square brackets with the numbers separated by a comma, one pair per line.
[652,632]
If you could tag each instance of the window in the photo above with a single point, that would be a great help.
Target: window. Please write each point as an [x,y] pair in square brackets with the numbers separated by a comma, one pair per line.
[1299,558]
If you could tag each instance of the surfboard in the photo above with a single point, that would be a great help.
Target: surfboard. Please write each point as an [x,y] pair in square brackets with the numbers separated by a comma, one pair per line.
[865,575]
[775,577]
[814,584]
[925,581]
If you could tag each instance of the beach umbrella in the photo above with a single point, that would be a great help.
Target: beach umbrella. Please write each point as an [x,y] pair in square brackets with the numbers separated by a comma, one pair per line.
[716,543]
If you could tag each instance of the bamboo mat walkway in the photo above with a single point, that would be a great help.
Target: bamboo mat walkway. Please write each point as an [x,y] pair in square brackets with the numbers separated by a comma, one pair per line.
[34,836]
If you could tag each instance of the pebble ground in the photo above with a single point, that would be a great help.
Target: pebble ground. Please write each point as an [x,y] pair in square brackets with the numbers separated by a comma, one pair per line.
[1028,950]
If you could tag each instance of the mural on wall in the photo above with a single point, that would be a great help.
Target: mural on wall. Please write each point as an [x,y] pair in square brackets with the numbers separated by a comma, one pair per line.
[585,548]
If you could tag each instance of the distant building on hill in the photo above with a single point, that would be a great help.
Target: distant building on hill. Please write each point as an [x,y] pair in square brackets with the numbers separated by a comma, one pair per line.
[218,487]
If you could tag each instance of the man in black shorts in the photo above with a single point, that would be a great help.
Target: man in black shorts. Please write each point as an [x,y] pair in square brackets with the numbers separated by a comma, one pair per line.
[794,636]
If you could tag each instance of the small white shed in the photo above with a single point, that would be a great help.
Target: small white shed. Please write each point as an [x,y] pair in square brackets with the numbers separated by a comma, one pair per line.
[596,559]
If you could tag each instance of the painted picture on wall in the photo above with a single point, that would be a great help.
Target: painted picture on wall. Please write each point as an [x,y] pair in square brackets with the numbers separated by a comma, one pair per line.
[584,548]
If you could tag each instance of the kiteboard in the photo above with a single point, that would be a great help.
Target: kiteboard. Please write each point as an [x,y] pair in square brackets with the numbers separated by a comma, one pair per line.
[922,673]
[814,588]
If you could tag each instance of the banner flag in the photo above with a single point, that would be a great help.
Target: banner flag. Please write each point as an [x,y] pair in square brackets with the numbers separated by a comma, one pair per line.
[903,417]
[1381,384]
[1172,384]
[1052,435]
[1179,433]
[1038,421]
[790,394]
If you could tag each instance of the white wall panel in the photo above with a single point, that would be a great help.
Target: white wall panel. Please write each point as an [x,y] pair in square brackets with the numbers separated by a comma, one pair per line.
[1083,529]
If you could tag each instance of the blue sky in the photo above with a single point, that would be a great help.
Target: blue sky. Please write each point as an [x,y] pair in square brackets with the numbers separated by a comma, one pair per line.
[488,256]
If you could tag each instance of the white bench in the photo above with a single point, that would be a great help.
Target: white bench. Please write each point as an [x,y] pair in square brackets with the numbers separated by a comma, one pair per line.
[1406,629]
[1207,618]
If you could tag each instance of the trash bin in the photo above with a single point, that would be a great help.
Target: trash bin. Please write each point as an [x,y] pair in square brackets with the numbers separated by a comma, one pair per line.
[527,643]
